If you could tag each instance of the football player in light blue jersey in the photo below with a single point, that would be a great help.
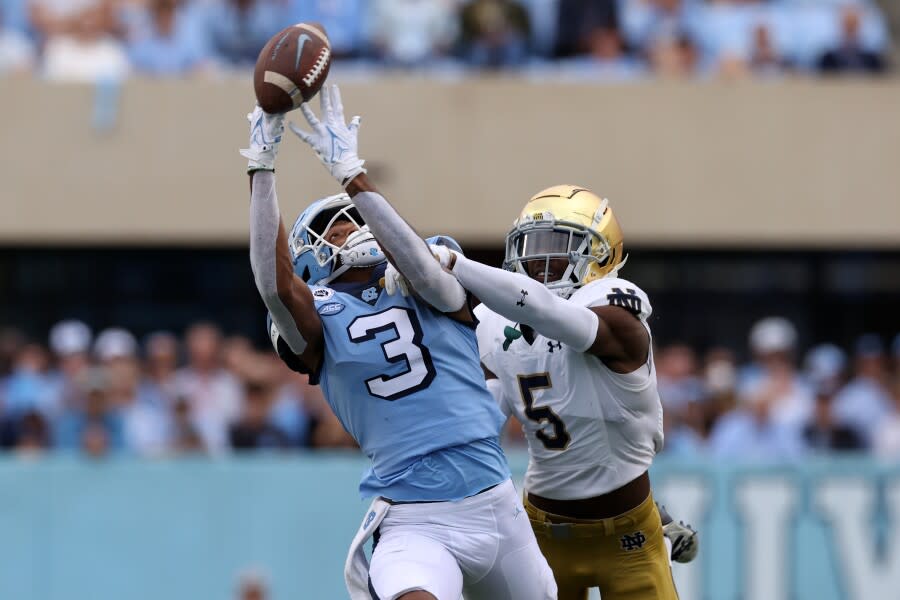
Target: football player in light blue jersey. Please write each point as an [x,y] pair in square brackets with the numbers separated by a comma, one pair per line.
[402,374]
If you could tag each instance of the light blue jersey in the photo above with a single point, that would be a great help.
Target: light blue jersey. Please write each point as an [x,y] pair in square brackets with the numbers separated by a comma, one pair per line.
[406,383]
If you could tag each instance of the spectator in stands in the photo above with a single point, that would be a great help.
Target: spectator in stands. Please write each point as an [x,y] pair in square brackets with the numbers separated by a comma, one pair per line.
[70,342]
[167,42]
[674,57]
[495,33]
[81,43]
[886,438]
[145,426]
[650,23]
[92,425]
[214,394]
[238,29]
[822,433]
[340,18]
[681,392]
[866,401]
[851,56]
[578,19]
[254,429]
[750,433]
[185,438]
[412,33]
[161,362]
[33,434]
[720,383]
[825,366]
[17,52]
[29,388]
[773,376]
[765,59]
[606,58]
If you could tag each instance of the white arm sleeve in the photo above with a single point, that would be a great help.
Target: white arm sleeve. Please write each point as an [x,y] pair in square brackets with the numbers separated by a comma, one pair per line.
[265,220]
[411,255]
[524,300]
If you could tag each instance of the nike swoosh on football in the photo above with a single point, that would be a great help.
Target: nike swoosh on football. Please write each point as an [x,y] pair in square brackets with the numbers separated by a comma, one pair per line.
[301,41]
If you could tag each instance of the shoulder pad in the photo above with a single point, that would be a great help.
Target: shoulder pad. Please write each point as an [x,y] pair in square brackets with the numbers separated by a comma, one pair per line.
[613,291]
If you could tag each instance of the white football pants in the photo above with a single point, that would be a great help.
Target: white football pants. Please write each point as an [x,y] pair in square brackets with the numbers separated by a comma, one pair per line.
[482,546]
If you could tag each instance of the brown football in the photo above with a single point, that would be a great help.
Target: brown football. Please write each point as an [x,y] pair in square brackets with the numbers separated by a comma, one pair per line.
[292,67]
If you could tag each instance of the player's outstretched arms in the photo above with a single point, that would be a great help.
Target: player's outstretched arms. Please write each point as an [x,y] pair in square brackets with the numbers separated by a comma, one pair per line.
[287,297]
[336,144]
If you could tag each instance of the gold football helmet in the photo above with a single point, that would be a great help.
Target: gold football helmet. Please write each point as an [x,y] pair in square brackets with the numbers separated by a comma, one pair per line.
[566,222]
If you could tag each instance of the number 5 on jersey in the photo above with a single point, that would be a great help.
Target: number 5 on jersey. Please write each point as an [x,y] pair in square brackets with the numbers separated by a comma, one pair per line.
[543,415]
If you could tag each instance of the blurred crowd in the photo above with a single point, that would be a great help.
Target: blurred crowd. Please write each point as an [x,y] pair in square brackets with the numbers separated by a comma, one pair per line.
[203,394]
[782,405]
[210,394]
[109,40]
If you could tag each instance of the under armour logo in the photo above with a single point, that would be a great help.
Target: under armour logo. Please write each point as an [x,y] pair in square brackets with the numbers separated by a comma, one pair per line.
[517,512]
[521,301]
[633,542]
[628,300]
[552,345]
[369,518]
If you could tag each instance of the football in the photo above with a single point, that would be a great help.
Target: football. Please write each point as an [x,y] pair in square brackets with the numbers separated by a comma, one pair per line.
[292,67]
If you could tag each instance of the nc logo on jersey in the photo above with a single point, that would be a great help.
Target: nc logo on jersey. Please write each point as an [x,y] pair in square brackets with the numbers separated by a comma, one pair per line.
[634,541]
[369,518]
[369,294]
[332,308]
[322,293]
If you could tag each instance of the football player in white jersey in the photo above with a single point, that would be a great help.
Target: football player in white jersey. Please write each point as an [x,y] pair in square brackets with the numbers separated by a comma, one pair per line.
[567,349]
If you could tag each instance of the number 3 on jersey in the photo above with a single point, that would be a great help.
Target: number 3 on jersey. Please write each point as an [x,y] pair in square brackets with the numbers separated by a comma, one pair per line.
[406,347]
[543,415]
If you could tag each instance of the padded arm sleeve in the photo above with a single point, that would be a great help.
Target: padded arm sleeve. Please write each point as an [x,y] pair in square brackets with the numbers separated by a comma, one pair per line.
[411,255]
[265,221]
[524,300]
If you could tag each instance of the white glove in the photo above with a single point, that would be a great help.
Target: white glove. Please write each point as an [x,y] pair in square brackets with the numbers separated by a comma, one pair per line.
[334,142]
[685,541]
[265,136]
[395,282]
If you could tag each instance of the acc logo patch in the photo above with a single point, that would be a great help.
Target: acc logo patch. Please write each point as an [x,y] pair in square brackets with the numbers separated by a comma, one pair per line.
[332,308]
[321,293]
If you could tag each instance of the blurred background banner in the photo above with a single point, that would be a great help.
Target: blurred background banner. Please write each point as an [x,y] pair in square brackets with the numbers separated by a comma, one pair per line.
[155,447]
[824,530]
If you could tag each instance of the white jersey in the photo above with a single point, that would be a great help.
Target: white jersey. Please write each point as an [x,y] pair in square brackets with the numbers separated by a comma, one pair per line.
[590,430]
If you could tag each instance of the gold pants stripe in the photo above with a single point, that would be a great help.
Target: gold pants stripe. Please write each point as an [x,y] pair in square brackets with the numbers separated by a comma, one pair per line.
[625,556]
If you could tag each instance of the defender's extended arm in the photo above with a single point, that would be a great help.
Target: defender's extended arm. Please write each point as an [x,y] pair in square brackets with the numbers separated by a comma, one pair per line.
[524,300]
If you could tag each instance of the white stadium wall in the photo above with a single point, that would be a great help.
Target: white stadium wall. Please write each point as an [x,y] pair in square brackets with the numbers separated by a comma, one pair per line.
[800,163]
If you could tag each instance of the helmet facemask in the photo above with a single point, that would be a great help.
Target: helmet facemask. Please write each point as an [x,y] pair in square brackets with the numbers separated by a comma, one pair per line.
[359,250]
[539,243]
